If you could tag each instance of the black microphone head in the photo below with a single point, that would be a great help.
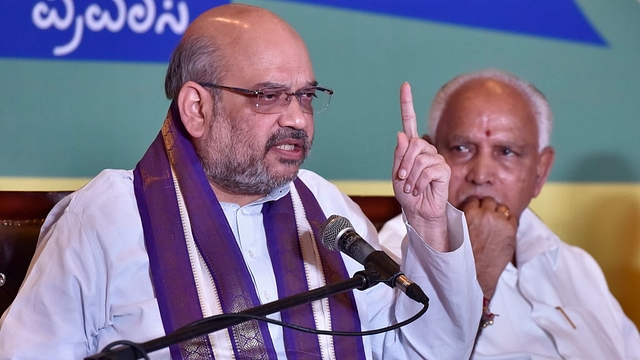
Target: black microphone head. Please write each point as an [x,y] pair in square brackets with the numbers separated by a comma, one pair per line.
[332,229]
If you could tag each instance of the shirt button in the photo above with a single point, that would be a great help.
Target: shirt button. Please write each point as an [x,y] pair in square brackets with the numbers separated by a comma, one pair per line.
[266,295]
[251,254]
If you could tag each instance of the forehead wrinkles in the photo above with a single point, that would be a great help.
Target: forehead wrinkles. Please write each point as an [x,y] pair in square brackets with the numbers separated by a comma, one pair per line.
[489,131]
[488,109]
[290,69]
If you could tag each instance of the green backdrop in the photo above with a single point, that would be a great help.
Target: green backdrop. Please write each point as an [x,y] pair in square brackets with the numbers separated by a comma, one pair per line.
[74,118]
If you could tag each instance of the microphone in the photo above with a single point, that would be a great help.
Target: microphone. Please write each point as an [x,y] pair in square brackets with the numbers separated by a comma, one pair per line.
[338,234]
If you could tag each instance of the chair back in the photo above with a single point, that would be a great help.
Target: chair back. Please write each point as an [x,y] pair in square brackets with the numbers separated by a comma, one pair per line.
[21,216]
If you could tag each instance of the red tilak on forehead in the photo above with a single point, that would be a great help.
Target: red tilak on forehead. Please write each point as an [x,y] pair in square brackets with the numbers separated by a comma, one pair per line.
[488,133]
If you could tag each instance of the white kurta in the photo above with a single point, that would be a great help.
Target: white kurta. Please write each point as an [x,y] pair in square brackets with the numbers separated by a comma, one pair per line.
[552,279]
[90,284]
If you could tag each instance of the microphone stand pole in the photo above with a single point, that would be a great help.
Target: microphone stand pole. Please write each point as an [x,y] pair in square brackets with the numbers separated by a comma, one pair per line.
[361,280]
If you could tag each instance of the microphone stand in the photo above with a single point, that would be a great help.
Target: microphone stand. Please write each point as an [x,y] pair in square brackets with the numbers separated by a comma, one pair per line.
[361,280]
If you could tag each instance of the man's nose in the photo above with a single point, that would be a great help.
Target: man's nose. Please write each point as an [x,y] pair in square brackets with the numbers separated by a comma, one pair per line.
[293,116]
[481,170]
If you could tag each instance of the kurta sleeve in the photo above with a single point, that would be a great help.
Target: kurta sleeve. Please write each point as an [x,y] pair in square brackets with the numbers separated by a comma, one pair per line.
[56,311]
[447,330]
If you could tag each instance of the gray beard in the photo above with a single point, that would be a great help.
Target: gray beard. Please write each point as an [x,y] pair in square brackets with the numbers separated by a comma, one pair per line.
[249,175]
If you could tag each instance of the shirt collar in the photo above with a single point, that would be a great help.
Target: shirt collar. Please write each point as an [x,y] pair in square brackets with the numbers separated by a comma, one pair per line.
[534,238]
[272,196]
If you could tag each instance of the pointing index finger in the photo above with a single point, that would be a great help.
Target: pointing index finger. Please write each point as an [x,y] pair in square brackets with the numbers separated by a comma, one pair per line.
[408,114]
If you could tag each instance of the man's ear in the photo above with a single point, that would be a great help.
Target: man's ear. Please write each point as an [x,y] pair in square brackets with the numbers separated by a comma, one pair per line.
[196,107]
[545,162]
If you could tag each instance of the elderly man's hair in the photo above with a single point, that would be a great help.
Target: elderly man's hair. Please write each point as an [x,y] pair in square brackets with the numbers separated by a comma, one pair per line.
[537,101]
[196,58]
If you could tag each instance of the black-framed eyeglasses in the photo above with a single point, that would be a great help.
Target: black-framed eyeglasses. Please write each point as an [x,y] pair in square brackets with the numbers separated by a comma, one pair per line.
[312,99]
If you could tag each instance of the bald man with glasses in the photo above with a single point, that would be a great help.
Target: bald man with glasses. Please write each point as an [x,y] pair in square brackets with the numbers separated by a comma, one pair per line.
[218,217]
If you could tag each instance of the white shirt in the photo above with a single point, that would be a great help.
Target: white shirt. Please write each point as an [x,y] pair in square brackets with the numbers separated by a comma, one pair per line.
[90,284]
[551,275]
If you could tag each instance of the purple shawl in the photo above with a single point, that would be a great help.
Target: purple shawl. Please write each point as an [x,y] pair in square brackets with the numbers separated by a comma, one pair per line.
[171,270]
